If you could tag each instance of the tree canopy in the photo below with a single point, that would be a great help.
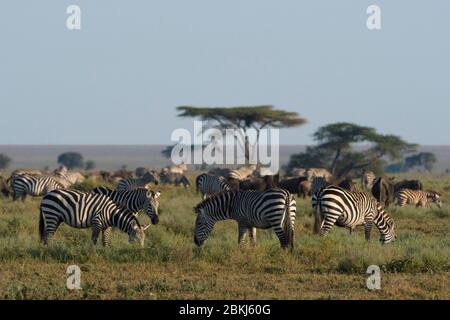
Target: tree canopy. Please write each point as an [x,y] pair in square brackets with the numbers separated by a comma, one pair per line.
[71,160]
[336,150]
[243,118]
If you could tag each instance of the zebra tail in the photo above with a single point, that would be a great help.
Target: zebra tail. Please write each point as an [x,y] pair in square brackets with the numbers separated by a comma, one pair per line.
[288,228]
[317,218]
[41,225]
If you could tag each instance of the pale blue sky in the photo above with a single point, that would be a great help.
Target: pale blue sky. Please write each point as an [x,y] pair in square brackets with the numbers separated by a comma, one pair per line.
[118,80]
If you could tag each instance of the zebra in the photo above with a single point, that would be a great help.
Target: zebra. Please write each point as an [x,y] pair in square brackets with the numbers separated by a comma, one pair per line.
[86,210]
[311,173]
[68,178]
[273,208]
[242,172]
[418,198]
[350,209]
[367,180]
[130,183]
[33,186]
[134,200]
[208,184]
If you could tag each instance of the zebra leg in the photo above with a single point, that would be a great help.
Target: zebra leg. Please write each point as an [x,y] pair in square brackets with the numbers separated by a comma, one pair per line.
[242,230]
[327,224]
[367,228]
[95,233]
[106,235]
[252,236]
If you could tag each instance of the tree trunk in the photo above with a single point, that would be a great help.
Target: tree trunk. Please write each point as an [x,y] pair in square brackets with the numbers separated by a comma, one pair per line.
[335,160]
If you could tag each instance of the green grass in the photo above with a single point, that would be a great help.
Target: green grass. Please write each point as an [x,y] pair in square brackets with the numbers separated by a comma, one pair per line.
[170,266]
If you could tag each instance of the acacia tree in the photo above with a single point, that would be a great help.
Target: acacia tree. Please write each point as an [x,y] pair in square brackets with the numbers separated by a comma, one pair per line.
[4,161]
[335,149]
[243,118]
[71,160]
[422,159]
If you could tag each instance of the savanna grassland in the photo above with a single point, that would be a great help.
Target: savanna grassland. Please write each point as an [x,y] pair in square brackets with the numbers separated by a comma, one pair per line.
[416,266]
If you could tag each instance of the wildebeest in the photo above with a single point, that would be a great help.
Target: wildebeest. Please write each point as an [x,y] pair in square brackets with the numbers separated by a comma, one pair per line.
[408,184]
[166,177]
[261,184]
[4,188]
[383,190]
[348,185]
[293,185]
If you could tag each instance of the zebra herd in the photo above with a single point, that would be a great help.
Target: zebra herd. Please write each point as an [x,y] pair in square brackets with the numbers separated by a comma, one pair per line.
[254,202]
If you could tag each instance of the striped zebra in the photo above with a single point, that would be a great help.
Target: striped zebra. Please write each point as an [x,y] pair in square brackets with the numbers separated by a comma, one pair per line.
[33,186]
[274,208]
[86,210]
[130,183]
[242,172]
[67,178]
[336,206]
[209,185]
[418,198]
[367,180]
[134,200]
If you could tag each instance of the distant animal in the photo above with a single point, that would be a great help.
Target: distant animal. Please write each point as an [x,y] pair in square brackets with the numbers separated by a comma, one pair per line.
[293,185]
[4,188]
[347,184]
[86,210]
[209,185]
[261,184]
[305,189]
[367,180]
[67,178]
[130,183]
[418,198]
[336,206]
[33,186]
[166,177]
[318,172]
[274,208]
[180,168]
[298,172]
[238,174]
[408,184]
[383,190]
[22,172]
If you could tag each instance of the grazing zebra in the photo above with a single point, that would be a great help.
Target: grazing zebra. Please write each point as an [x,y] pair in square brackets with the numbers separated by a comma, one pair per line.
[134,200]
[68,178]
[418,198]
[242,172]
[274,208]
[209,185]
[367,180]
[130,183]
[350,209]
[33,186]
[86,210]
[166,177]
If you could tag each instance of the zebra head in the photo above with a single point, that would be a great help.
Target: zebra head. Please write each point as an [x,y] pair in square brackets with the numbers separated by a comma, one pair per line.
[137,232]
[436,198]
[203,225]
[385,225]
[151,205]
[151,176]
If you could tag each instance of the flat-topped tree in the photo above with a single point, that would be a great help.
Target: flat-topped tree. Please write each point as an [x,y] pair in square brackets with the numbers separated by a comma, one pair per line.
[244,118]
[335,149]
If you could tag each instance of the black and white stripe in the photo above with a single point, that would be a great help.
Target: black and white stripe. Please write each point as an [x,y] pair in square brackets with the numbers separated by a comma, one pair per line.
[130,183]
[86,210]
[134,200]
[274,208]
[33,185]
[209,185]
[336,206]
[417,197]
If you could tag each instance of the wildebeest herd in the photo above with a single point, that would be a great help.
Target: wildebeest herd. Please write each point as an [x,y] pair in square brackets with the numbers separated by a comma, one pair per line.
[241,194]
